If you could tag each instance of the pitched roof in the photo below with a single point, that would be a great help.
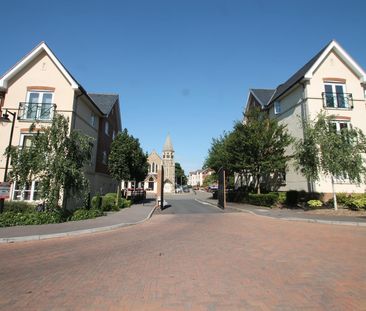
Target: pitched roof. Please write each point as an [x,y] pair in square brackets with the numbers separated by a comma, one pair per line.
[168,146]
[105,102]
[307,71]
[263,96]
[297,76]
[42,46]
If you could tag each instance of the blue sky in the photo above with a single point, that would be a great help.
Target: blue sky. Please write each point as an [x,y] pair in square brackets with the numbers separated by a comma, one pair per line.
[181,67]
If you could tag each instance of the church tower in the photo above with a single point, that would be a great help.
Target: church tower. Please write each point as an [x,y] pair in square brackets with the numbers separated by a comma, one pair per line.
[169,166]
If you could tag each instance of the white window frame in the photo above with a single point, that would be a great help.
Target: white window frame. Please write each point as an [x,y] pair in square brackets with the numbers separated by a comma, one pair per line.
[277,107]
[39,105]
[338,124]
[106,128]
[22,191]
[22,136]
[334,85]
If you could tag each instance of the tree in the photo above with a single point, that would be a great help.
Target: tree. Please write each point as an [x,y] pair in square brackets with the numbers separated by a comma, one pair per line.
[56,158]
[218,154]
[179,174]
[331,152]
[257,149]
[126,161]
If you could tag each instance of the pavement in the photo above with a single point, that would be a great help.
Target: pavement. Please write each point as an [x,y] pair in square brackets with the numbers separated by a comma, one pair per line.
[200,262]
[285,214]
[137,213]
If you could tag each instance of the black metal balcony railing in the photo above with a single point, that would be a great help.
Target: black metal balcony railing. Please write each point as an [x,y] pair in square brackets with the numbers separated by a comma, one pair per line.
[334,100]
[36,111]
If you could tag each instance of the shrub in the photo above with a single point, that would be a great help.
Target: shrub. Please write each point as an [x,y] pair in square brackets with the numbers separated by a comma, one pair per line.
[83,213]
[292,197]
[18,207]
[9,219]
[281,197]
[314,204]
[125,203]
[343,198]
[357,202]
[109,202]
[96,201]
[267,199]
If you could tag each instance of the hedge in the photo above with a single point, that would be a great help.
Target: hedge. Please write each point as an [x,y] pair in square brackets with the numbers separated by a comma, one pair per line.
[9,219]
[83,213]
[267,199]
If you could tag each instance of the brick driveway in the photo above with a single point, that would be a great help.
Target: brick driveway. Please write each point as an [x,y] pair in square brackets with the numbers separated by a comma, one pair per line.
[210,262]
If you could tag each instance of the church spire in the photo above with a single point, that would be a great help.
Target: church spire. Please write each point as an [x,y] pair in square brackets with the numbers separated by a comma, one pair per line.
[168,146]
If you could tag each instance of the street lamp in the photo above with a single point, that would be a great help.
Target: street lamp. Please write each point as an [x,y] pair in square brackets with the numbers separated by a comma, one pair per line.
[5,118]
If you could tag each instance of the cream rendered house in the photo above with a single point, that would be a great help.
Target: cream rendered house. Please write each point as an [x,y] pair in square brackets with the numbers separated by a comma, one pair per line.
[35,88]
[331,82]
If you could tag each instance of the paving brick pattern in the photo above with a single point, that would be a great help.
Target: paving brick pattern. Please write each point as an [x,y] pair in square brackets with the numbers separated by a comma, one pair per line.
[233,261]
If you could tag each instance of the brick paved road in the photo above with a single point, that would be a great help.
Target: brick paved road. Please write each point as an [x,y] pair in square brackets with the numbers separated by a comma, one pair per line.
[233,261]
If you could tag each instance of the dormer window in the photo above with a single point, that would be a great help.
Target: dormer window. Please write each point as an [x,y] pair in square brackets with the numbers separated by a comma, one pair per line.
[277,107]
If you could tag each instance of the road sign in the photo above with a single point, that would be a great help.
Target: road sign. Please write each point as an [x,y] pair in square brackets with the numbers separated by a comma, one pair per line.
[4,190]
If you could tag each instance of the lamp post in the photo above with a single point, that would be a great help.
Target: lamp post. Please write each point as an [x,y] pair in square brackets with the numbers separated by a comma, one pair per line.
[5,118]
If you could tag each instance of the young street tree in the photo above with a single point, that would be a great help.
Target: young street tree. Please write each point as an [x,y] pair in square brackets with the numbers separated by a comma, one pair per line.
[179,174]
[126,161]
[333,152]
[55,158]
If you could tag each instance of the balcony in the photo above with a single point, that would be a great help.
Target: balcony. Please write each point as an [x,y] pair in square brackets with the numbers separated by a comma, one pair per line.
[36,111]
[337,100]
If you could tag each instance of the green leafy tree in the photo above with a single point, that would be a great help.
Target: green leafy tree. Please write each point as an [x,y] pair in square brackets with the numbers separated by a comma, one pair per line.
[126,161]
[179,174]
[333,154]
[57,159]
[218,155]
[257,149]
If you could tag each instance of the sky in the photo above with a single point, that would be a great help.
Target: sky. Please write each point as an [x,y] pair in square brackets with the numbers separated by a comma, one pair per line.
[181,67]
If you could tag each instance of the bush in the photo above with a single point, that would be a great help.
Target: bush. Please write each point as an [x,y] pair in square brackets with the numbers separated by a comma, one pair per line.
[357,202]
[292,197]
[125,203]
[281,197]
[267,199]
[9,219]
[109,202]
[314,204]
[18,207]
[83,213]
[96,201]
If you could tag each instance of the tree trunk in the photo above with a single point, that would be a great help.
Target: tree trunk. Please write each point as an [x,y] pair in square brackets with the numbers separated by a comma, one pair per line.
[258,184]
[334,195]
[118,194]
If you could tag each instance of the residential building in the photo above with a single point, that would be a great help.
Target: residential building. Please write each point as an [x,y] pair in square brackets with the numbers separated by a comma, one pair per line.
[331,82]
[36,88]
[197,178]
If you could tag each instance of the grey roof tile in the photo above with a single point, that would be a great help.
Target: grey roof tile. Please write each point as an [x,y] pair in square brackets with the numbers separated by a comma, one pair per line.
[263,96]
[297,76]
[105,102]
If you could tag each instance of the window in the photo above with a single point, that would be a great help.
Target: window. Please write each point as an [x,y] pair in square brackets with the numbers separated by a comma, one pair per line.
[104,159]
[106,128]
[38,105]
[335,97]
[340,126]
[25,140]
[93,119]
[277,107]
[114,135]
[30,191]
